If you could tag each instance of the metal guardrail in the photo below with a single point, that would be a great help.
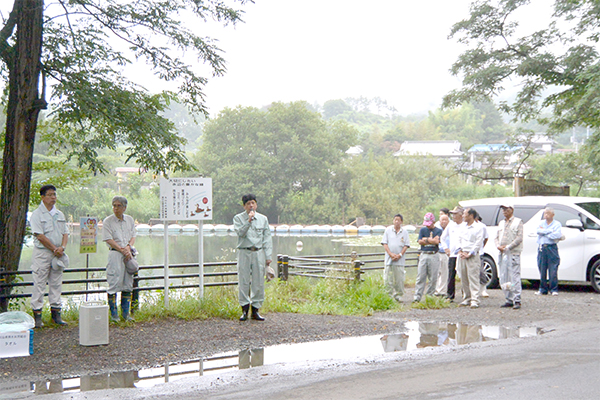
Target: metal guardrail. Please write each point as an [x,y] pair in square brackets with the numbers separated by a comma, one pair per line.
[344,266]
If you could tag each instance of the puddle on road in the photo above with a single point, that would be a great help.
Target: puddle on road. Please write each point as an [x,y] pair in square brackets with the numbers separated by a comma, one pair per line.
[415,336]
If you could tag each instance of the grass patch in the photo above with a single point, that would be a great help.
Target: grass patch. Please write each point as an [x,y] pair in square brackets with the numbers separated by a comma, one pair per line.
[333,297]
[299,295]
[432,303]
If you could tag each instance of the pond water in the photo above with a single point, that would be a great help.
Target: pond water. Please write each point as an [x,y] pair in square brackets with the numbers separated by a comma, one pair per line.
[183,248]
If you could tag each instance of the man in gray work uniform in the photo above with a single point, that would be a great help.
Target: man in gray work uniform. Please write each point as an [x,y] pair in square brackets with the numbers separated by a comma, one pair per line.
[50,233]
[254,250]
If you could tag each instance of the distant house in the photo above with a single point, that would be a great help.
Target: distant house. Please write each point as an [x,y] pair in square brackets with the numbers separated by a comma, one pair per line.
[124,172]
[499,155]
[542,144]
[355,151]
[445,149]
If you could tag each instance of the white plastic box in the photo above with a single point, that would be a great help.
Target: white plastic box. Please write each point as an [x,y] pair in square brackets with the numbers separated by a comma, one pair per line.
[93,323]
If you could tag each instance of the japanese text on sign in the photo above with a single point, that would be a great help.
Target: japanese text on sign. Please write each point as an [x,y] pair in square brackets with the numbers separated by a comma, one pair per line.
[186,198]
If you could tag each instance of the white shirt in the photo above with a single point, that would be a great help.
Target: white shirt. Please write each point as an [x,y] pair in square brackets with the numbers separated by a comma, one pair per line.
[396,241]
[52,225]
[450,235]
[470,239]
[485,236]
[119,230]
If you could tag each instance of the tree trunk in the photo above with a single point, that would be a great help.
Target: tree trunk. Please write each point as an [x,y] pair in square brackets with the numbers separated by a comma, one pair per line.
[23,109]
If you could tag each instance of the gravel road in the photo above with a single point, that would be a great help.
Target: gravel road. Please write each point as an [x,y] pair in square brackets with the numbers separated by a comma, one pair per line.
[57,353]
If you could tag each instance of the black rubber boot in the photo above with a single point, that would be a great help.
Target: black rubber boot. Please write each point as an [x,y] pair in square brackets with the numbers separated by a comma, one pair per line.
[126,306]
[245,310]
[56,316]
[256,315]
[112,304]
[37,316]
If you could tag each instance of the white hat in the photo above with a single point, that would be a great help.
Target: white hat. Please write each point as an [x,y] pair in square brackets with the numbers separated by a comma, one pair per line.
[59,264]
[132,266]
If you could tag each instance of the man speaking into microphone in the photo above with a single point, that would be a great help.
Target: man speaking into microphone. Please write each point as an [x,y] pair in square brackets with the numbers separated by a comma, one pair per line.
[254,250]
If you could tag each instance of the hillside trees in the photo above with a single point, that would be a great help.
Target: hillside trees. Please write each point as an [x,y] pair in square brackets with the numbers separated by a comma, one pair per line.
[274,154]
[66,56]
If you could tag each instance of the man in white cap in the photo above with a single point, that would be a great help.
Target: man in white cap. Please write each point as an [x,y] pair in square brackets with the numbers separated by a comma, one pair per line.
[509,241]
[50,233]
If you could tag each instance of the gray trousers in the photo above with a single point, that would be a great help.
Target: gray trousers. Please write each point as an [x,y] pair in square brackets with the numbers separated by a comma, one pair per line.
[393,278]
[251,277]
[42,273]
[117,277]
[510,277]
[428,269]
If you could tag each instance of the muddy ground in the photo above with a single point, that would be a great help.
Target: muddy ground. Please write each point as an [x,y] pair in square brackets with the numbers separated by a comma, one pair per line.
[57,352]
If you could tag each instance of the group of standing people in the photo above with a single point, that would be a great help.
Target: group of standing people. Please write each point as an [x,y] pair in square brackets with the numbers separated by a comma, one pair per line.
[50,232]
[451,247]
[447,247]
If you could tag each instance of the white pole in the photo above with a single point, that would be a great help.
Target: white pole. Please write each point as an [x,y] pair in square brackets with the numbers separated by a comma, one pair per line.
[166,224]
[201,256]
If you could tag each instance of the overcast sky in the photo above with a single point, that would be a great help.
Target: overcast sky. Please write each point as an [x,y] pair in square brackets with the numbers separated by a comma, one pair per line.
[319,50]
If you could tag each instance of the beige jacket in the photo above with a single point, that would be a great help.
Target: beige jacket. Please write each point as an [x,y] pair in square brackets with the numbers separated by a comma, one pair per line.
[511,236]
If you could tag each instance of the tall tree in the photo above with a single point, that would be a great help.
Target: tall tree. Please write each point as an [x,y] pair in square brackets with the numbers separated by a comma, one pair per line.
[557,67]
[73,45]
[286,149]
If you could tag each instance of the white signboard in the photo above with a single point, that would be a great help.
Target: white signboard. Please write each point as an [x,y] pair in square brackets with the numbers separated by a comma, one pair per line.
[186,199]
[16,344]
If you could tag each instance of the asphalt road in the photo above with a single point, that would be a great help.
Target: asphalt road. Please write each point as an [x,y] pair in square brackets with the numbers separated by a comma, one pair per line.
[562,363]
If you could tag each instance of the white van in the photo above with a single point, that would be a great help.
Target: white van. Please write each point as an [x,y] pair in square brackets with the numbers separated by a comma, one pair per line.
[579,252]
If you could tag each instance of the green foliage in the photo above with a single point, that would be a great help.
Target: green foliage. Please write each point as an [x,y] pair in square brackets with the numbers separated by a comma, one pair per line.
[333,108]
[557,68]
[312,206]
[97,202]
[332,297]
[432,303]
[93,106]
[55,172]
[573,169]
[286,149]
[384,186]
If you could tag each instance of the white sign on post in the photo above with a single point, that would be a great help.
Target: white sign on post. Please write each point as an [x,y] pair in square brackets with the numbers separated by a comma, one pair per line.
[185,199]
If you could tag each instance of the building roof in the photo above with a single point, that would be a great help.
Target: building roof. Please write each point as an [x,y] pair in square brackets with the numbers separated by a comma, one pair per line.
[438,148]
[493,148]
[355,150]
[129,170]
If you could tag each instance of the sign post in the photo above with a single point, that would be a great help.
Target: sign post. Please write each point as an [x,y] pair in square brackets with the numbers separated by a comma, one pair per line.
[88,243]
[186,199]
